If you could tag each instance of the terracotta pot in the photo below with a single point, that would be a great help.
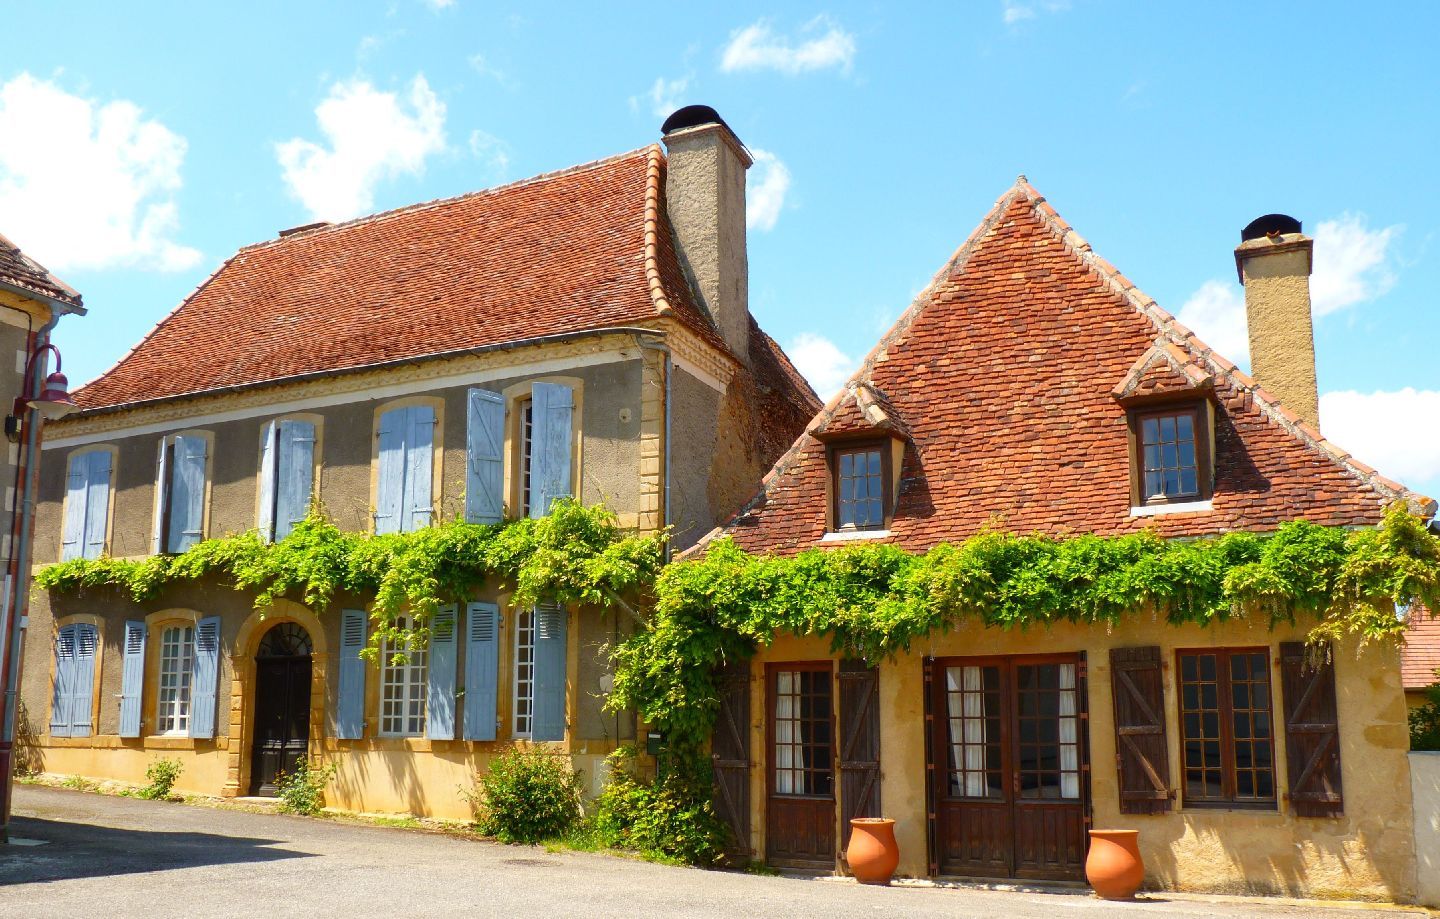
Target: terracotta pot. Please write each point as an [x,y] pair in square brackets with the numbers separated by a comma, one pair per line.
[873,852]
[1113,866]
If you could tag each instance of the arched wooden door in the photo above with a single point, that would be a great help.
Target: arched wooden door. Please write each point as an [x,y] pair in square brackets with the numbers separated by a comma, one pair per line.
[282,705]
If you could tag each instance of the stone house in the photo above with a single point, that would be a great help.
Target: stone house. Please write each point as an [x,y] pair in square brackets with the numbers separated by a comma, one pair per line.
[584,332]
[1034,386]
[32,301]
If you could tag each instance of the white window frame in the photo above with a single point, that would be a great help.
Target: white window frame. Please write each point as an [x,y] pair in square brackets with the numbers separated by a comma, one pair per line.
[174,703]
[526,410]
[523,691]
[403,687]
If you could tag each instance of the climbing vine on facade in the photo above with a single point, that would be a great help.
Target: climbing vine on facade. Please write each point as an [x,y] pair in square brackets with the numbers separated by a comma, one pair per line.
[575,554]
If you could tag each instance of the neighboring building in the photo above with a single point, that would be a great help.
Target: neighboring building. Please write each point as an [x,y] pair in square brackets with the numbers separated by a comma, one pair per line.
[583,333]
[1421,657]
[32,300]
[1033,386]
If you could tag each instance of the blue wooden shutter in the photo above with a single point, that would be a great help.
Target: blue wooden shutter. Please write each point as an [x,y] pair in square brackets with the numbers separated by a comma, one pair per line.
[550,661]
[97,502]
[350,710]
[440,701]
[268,460]
[482,669]
[82,688]
[551,406]
[132,678]
[204,682]
[485,457]
[295,473]
[187,493]
[162,497]
[77,482]
[419,507]
[390,471]
[64,679]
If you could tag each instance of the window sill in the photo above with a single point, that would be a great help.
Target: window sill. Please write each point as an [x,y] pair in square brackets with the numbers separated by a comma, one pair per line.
[853,535]
[1177,507]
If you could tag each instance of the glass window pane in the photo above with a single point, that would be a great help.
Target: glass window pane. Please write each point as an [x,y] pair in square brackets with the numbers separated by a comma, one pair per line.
[1186,427]
[847,464]
[1188,484]
[1151,431]
[1167,428]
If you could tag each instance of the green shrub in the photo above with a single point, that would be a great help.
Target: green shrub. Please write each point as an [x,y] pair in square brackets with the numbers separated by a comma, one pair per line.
[1425,722]
[526,796]
[79,783]
[302,789]
[163,773]
[671,815]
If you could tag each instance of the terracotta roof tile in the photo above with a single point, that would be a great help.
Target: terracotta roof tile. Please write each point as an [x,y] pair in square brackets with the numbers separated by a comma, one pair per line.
[1004,370]
[1421,658]
[20,270]
[586,248]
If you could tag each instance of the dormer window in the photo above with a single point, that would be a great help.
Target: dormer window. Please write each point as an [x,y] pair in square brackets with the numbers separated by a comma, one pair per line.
[861,482]
[1172,461]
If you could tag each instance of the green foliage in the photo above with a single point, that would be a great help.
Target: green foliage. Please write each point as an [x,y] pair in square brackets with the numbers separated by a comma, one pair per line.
[1425,722]
[163,774]
[79,783]
[302,789]
[873,601]
[574,554]
[670,816]
[526,796]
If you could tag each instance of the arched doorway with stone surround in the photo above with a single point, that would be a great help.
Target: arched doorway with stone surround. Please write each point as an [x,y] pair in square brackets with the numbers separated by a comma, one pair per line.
[254,631]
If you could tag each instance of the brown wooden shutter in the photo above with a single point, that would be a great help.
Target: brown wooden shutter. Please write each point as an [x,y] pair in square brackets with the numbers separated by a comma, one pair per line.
[859,744]
[1142,755]
[730,757]
[1312,731]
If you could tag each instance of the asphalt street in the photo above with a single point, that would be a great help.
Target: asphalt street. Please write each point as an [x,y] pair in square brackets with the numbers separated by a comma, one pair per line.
[117,857]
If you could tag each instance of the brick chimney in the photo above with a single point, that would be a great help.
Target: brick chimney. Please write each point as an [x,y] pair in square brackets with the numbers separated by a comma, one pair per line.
[705,199]
[1274,261]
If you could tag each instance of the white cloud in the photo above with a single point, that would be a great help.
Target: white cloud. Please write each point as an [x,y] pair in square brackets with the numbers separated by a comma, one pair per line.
[757,47]
[85,185]
[372,135]
[765,193]
[492,151]
[1013,11]
[1353,264]
[1392,431]
[1216,313]
[663,97]
[821,362]
[438,5]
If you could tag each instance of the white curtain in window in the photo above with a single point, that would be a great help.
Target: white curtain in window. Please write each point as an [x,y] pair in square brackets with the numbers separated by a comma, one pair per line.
[786,774]
[1069,738]
[974,732]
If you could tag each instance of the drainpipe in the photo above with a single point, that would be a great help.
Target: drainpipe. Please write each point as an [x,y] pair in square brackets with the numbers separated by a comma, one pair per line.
[20,582]
[669,365]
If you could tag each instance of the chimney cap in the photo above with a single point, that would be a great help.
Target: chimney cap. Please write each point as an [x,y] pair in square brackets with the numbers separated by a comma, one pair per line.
[692,116]
[1269,225]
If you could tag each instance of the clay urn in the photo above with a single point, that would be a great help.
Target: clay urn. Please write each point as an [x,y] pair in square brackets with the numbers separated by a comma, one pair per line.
[1113,866]
[873,853]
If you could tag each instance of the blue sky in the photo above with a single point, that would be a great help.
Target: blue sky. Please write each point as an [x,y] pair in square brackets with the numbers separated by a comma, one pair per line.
[139,146]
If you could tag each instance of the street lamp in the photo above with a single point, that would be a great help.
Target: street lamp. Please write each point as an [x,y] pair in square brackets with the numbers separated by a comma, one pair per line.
[53,402]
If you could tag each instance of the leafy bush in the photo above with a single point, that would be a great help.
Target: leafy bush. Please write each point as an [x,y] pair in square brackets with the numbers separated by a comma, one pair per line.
[163,773]
[302,790]
[1425,722]
[670,816]
[526,796]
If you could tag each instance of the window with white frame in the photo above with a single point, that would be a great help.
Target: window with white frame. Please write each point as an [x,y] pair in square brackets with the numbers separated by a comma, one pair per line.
[402,687]
[177,664]
[524,673]
[527,448]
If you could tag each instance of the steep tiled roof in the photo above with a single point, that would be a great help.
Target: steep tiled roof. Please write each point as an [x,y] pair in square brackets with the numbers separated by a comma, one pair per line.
[1420,660]
[587,248]
[20,270]
[1006,371]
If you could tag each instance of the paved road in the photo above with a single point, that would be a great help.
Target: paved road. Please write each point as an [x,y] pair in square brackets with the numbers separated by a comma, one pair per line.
[116,857]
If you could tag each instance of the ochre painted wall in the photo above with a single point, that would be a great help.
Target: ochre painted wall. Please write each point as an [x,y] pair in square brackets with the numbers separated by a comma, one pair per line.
[1367,853]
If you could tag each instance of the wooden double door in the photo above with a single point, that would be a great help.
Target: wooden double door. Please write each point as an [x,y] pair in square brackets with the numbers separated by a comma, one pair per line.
[1009,766]
[282,706]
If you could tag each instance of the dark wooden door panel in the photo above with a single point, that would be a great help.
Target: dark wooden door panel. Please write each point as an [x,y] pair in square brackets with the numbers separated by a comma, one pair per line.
[282,720]
[730,758]
[859,744]
[1009,766]
[800,765]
